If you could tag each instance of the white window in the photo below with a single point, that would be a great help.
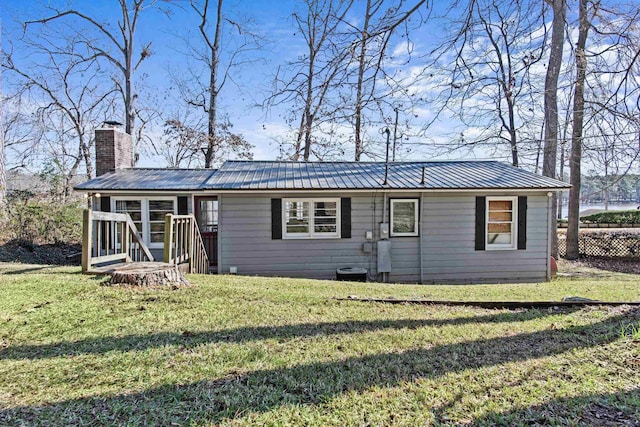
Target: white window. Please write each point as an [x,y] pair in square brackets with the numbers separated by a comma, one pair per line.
[310,218]
[148,214]
[404,217]
[134,209]
[501,222]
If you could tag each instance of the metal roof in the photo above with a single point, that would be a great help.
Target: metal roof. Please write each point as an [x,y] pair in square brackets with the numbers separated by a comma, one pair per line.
[148,179]
[281,175]
[278,175]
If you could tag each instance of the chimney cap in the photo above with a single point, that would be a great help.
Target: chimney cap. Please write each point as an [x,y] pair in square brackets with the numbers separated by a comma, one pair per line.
[112,123]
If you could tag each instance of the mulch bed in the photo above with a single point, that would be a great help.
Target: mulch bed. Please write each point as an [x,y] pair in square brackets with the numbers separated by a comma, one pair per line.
[30,253]
[631,266]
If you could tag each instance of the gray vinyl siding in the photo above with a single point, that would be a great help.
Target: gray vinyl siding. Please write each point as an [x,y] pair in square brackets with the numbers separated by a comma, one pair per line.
[245,240]
[447,234]
[449,253]
[158,254]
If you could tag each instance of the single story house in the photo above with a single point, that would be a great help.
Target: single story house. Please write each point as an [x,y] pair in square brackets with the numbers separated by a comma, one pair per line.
[412,222]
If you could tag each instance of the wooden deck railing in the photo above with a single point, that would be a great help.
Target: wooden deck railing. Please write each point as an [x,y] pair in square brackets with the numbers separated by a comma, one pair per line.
[110,237]
[183,243]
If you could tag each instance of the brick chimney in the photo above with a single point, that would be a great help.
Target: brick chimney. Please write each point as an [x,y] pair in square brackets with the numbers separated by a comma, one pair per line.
[114,149]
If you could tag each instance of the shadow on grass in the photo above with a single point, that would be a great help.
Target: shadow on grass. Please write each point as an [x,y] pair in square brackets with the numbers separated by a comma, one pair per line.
[607,409]
[43,269]
[188,339]
[316,383]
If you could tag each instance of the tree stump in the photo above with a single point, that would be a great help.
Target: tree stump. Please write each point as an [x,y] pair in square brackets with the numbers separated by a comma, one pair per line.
[149,274]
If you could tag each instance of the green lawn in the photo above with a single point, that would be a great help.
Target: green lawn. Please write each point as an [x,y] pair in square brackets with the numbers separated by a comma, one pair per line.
[244,350]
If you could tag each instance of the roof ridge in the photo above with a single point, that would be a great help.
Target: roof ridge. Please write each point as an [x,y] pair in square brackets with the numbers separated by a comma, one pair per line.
[169,169]
[335,176]
[359,162]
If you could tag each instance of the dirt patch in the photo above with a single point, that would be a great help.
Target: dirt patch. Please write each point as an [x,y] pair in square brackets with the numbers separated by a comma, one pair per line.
[607,264]
[25,252]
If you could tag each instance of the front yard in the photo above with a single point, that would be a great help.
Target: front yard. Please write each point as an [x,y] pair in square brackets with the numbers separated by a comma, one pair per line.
[244,350]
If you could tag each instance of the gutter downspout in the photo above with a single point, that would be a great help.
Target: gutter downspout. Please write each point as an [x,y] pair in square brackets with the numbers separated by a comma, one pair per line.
[420,236]
[549,235]
[385,276]
[384,206]
[219,260]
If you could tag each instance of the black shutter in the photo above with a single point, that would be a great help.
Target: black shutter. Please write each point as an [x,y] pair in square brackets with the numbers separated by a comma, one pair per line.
[481,214]
[522,222]
[276,219]
[183,205]
[345,217]
[105,204]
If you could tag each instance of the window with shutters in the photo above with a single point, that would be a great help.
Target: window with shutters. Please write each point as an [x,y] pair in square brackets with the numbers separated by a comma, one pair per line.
[310,218]
[501,222]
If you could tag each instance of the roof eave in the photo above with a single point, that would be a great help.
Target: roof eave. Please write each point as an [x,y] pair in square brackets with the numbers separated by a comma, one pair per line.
[323,190]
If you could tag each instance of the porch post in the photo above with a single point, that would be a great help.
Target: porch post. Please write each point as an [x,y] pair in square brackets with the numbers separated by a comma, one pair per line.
[87,239]
[168,237]
[192,240]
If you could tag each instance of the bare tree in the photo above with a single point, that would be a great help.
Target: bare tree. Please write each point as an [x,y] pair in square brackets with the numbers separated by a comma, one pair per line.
[212,58]
[554,66]
[66,86]
[380,21]
[180,144]
[576,136]
[606,102]
[309,82]
[19,132]
[347,78]
[3,171]
[185,135]
[487,72]
[114,45]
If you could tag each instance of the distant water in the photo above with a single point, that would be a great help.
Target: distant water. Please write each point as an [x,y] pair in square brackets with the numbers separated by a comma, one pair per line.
[588,206]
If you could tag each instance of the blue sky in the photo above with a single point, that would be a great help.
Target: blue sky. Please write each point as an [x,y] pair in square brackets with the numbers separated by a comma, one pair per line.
[272,19]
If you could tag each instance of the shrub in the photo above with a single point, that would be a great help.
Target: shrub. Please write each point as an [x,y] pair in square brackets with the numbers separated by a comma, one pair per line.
[614,217]
[41,221]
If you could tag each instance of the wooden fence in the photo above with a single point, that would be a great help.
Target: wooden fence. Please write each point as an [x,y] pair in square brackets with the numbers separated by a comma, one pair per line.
[604,243]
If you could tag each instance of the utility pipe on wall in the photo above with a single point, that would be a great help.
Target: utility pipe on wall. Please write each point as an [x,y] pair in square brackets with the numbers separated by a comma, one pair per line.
[420,237]
[386,163]
[549,236]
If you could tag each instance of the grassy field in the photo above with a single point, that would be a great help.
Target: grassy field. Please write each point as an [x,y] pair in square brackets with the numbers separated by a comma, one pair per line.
[254,351]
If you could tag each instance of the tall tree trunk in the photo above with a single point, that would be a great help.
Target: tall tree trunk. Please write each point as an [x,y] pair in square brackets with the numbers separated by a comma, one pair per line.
[551,109]
[359,147]
[128,99]
[127,29]
[513,137]
[606,186]
[299,138]
[576,135]
[213,87]
[308,105]
[3,172]
[559,196]
[86,156]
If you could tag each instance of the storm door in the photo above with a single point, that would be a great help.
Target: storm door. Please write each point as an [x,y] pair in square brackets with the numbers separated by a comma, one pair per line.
[207,217]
